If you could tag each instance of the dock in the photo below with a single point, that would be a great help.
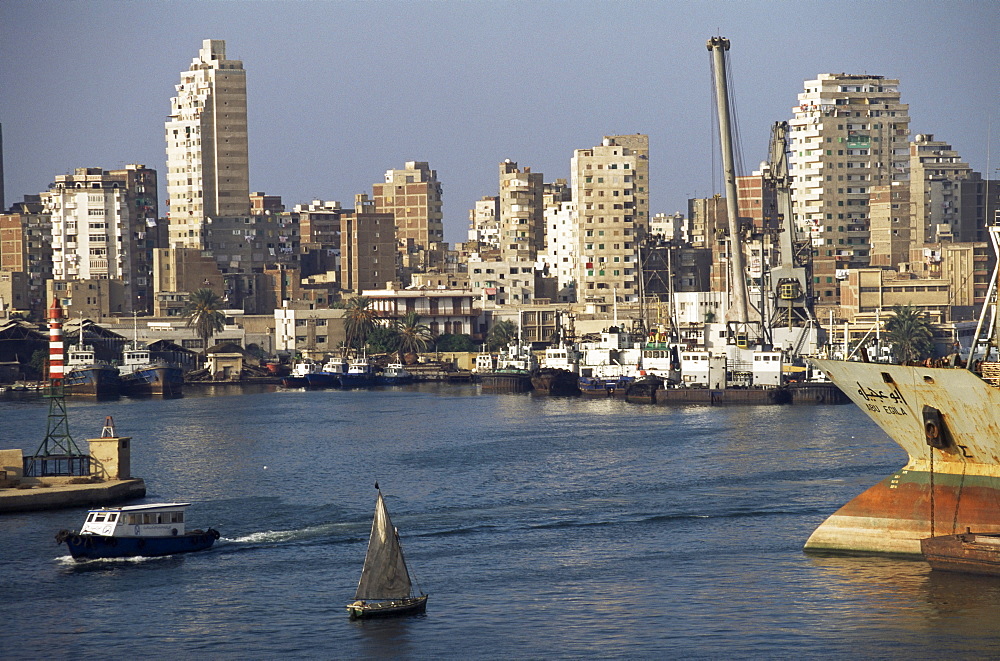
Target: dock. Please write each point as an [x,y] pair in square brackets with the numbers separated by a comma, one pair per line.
[62,492]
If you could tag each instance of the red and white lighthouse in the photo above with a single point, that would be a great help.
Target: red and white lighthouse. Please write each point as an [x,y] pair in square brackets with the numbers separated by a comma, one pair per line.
[57,352]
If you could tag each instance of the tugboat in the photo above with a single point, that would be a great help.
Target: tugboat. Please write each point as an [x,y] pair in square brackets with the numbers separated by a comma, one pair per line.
[135,531]
[85,375]
[141,376]
[326,377]
[360,374]
[394,375]
[300,371]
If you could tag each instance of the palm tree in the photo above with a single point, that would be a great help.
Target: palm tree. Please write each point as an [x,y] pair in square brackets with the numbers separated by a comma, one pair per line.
[412,336]
[909,333]
[502,334]
[359,321]
[203,312]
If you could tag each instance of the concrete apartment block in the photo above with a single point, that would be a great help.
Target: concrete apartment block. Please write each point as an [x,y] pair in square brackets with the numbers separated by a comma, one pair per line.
[848,134]
[610,184]
[208,172]
[413,196]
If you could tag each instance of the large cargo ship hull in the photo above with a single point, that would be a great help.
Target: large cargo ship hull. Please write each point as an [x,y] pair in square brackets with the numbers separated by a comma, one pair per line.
[952,478]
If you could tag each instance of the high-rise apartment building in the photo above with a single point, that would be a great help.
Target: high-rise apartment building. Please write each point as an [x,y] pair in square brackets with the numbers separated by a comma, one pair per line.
[936,175]
[208,172]
[413,196]
[849,134]
[522,226]
[610,184]
[100,227]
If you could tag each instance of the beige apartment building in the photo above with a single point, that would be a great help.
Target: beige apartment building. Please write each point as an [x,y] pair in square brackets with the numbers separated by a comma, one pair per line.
[208,172]
[103,224]
[610,184]
[522,226]
[413,196]
[890,224]
[848,134]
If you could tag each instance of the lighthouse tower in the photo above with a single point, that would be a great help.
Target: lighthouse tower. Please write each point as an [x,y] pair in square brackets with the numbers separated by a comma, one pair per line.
[58,454]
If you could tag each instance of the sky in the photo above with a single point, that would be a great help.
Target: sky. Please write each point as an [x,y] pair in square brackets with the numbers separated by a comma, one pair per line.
[339,92]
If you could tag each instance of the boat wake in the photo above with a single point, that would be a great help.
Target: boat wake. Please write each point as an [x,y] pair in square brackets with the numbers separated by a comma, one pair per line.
[296,535]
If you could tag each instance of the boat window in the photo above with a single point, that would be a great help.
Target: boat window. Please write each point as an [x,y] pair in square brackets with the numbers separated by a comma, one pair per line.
[147,518]
[99,517]
[134,519]
[90,519]
[112,517]
[177,517]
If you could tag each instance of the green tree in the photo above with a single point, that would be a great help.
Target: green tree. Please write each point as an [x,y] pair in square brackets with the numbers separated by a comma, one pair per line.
[359,321]
[909,333]
[412,336]
[203,311]
[382,339]
[502,334]
[452,343]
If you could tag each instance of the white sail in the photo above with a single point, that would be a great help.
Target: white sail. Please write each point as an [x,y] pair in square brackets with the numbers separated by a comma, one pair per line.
[384,575]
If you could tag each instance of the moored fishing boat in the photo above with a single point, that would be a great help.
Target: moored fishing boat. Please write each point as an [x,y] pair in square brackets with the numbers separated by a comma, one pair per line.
[385,588]
[134,531]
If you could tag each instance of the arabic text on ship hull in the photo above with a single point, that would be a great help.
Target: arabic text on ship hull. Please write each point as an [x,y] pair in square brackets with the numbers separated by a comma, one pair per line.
[960,482]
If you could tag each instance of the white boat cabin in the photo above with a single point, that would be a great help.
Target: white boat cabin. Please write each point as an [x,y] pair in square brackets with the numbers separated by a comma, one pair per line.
[154,520]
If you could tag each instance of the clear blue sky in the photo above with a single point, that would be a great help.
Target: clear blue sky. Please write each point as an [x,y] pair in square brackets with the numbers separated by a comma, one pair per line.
[339,92]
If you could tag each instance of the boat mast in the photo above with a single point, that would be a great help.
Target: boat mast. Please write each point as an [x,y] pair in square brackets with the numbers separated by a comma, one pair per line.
[739,308]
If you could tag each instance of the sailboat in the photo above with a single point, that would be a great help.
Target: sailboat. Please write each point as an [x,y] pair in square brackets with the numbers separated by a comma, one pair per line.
[385,588]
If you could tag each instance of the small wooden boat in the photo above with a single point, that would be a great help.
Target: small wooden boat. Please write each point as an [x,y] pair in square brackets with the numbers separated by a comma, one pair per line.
[385,588]
[968,552]
[134,531]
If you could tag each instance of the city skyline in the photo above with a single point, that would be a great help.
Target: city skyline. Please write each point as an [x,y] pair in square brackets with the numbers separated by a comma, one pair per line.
[340,92]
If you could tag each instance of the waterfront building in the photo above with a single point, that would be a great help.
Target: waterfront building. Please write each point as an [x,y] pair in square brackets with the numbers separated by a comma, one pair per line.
[413,196]
[610,184]
[848,134]
[100,222]
[311,332]
[208,172]
[442,310]
[26,248]
[522,228]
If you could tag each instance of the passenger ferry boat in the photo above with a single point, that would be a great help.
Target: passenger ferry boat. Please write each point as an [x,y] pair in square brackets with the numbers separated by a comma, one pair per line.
[134,531]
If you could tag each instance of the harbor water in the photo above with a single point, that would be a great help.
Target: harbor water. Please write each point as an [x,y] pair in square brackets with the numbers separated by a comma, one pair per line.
[540,527]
